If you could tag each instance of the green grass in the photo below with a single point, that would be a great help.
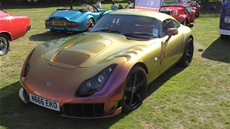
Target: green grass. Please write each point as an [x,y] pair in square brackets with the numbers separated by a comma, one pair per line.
[197,97]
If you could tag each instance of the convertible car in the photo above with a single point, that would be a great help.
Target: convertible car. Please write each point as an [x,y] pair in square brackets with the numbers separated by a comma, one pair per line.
[181,10]
[12,27]
[105,71]
[74,18]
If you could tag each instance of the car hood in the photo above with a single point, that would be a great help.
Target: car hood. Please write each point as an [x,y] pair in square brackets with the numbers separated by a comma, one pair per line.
[171,8]
[88,49]
[67,14]
[67,62]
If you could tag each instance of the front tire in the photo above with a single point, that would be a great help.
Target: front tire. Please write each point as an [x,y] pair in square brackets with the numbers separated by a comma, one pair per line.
[4,44]
[188,54]
[135,89]
[224,37]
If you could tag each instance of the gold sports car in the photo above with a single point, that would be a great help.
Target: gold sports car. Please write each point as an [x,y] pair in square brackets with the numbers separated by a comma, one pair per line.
[105,71]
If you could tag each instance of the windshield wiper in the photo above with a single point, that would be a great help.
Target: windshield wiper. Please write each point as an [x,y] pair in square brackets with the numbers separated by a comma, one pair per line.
[108,30]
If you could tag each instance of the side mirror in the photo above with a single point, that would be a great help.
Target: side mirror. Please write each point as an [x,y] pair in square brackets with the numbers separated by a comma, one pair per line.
[171,32]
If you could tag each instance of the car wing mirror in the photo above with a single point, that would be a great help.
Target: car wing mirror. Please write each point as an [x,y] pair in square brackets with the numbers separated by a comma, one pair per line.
[171,32]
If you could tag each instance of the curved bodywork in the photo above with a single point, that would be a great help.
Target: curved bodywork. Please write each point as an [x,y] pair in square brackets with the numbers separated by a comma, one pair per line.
[12,27]
[182,11]
[224,27]
[84,76]
[73,18]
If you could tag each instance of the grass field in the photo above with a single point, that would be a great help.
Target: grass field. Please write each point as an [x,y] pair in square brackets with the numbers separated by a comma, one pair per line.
[197,97]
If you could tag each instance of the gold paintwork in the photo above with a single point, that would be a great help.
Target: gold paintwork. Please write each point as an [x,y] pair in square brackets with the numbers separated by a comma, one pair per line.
[67,62]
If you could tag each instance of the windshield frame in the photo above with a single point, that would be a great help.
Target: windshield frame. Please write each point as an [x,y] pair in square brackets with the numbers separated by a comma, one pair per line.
[129,25]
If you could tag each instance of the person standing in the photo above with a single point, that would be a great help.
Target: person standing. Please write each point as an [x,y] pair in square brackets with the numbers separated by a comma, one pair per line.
[129,5]
[98,4]
[114,6]
[120,6]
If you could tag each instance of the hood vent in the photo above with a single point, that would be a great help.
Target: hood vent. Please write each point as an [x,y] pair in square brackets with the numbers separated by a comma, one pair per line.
[70,57]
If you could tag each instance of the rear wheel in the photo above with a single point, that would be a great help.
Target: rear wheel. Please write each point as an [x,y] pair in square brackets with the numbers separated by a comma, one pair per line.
[4,44]
[188,53]
[185,22]
[134,90]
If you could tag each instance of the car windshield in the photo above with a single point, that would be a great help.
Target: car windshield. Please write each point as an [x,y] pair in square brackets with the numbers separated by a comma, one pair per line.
[128,25]
[83,7]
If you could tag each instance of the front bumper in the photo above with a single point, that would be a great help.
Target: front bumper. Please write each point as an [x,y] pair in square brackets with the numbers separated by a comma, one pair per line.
[224,32]
[83,109]
[66,29]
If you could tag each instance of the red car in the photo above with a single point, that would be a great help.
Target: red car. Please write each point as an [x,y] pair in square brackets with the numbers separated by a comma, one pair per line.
[11,27]
[181,11]
[195,6]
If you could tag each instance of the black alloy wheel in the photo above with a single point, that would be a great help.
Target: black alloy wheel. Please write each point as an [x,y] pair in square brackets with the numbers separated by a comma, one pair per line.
[188,54]
[134,90]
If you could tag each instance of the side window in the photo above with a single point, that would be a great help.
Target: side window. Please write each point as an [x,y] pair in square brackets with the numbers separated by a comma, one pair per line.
[176,24]
[169,23]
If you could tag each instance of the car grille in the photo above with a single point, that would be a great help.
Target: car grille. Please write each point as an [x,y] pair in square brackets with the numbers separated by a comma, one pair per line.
[84,110]
[167,12]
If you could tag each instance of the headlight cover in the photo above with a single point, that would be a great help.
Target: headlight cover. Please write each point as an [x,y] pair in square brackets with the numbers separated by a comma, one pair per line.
[95,83]
[26,66]
[227,19]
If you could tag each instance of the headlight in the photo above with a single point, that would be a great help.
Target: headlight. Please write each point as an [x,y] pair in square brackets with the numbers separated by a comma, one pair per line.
[26,66]
[227,19]
[95,83]
[175,13]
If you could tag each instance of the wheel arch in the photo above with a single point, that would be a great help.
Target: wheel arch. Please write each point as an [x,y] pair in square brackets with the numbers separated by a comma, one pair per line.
[8,35]
[143,66]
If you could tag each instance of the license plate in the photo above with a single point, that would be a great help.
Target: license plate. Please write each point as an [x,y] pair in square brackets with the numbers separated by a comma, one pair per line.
[44,102]
[58,23]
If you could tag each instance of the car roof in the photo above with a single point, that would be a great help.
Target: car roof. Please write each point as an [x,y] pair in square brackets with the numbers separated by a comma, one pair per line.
[138,12]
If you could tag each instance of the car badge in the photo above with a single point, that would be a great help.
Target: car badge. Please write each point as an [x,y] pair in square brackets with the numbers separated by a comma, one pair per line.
[48,84]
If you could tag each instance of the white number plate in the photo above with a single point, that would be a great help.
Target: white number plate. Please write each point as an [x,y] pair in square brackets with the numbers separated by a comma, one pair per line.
[45,102]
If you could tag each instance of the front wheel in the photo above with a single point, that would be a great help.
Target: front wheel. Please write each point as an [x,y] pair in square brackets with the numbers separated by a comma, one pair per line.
[188,53]
[224,37]
[135,89]
[4,44]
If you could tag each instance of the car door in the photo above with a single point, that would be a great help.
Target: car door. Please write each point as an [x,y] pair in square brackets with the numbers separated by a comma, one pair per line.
[172,48]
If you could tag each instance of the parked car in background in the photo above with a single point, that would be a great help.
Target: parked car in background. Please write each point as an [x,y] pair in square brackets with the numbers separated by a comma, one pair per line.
[195,6]
[107,70]
[224,27]
[182,11]
[12,27]
[74,18]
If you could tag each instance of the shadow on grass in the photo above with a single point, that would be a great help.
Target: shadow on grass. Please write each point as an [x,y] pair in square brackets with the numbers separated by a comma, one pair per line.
[15,114]
[219,50]
[47,36]
[153,86]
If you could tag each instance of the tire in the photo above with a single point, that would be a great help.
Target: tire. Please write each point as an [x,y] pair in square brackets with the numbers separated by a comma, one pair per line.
[4,44]
[224,37]
[52,30]
[188,54]
[135,89]
[185,23]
